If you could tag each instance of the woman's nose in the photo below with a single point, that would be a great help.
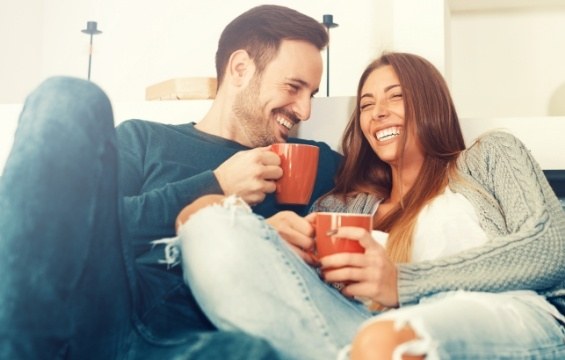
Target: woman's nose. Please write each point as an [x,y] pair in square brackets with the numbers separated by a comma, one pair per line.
[380,111]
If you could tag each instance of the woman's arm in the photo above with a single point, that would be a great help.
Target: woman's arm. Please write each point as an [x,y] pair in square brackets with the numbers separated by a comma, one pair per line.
[521,215]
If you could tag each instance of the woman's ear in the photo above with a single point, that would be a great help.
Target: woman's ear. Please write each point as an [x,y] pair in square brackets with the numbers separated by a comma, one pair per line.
[240,68]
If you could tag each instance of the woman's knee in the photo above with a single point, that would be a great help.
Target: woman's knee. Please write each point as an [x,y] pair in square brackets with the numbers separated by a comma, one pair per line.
[379,339]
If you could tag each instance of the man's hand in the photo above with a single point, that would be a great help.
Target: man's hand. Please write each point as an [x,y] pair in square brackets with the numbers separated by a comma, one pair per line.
[250,174]
[297,231]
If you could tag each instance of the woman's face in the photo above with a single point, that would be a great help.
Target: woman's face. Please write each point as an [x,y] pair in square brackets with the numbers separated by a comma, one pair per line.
[382,118]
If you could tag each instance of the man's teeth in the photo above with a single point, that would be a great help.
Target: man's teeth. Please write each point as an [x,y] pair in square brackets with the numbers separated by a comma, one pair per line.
[386,134]
[284,122]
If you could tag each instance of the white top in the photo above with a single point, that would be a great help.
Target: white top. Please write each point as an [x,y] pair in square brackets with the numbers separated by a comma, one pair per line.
[449,224]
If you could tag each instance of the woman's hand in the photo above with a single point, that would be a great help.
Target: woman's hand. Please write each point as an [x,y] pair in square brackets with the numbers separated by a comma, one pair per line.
[371,275]
[298,232]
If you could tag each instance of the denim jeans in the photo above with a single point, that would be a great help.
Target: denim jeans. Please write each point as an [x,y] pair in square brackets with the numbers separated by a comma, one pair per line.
[246,277]
[479,325]
[67,276]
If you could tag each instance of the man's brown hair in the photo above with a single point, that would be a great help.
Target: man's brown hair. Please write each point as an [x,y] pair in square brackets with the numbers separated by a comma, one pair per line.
[260,30]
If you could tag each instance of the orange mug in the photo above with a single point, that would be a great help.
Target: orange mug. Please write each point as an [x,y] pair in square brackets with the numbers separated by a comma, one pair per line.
[327,223]
[328,244]
[299,163]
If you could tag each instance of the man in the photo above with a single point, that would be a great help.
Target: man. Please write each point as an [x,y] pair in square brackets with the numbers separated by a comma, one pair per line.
[79,277]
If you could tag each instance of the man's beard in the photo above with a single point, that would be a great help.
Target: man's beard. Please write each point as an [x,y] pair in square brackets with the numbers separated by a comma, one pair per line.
[257,130]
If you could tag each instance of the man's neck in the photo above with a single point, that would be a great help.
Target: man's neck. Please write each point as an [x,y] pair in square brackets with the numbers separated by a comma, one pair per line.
[217,120]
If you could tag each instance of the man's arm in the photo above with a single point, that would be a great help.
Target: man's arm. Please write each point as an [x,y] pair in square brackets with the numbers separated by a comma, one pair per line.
[152,197]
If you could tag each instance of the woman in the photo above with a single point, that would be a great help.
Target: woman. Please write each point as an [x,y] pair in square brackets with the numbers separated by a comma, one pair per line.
[473,263]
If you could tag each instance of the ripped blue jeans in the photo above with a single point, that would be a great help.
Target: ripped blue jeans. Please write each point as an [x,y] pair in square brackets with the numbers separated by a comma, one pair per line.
[245,277]
[68,280]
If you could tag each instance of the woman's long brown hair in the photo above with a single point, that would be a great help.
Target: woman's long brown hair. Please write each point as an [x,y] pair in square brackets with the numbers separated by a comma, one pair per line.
[430,114]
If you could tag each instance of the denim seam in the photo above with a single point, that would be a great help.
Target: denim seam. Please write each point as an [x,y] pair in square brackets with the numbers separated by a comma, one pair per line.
[272,235]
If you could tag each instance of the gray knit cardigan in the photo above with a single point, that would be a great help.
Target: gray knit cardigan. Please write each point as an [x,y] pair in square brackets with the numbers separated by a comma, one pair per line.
[517,209]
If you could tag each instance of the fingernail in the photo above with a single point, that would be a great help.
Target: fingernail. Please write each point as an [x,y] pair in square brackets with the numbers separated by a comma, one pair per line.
[331,232]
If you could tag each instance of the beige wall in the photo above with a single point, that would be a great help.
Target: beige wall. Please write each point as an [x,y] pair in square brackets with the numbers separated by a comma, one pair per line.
[509,62]
[146,41]
[500,60]
[21,34]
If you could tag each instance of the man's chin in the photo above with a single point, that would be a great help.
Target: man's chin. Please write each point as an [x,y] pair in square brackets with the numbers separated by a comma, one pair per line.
[282,135]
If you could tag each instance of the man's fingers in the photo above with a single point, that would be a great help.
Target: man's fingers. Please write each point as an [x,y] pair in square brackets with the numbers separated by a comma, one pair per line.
[272,172]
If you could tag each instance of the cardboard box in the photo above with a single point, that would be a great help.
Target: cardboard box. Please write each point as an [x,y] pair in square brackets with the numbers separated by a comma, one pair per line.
[182,89]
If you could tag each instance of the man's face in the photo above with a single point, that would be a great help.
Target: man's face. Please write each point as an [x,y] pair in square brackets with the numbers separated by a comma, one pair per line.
[274,101]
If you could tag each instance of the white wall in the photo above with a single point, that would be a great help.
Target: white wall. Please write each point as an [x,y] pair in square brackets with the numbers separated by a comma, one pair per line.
[145,41]
[423,27]
[502,58]
[509,62]
[21,23]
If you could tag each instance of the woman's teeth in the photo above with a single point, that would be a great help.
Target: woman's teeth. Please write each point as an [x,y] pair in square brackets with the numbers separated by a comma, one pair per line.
[388,133]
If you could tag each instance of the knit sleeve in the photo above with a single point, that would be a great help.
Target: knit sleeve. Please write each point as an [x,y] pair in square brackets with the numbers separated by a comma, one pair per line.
[524,221]
[361,203]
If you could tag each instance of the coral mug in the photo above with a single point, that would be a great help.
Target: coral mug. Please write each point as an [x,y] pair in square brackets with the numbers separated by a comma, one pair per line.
[328,244]
[299,163]
[326,224]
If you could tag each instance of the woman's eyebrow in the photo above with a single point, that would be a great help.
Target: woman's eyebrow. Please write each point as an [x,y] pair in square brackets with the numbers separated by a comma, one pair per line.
[391,87]
[385,90]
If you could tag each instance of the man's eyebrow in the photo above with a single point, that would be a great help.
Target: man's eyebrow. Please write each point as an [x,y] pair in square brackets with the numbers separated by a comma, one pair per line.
[304,84]
[300,81]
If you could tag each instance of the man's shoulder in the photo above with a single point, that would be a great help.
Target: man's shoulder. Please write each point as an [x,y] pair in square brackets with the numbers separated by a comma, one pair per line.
[143,129]
[148,125]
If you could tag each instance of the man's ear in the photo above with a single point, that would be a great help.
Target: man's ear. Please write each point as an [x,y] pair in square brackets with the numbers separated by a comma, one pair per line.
[240,67]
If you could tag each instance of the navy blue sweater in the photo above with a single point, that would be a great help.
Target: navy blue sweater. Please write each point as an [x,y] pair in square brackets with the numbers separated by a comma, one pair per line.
[162,168]
[165,167]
